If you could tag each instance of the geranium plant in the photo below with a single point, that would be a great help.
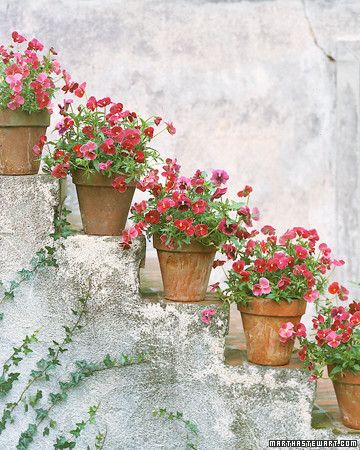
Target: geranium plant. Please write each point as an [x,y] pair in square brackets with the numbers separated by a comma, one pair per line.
[30,77]
[288,267]
[333,341]
[183,210]
[103,137]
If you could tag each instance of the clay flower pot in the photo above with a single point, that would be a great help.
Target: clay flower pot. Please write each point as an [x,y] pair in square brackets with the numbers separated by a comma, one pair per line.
[347,389]
[262,319]
[185,271]
[19,132]
[104,210]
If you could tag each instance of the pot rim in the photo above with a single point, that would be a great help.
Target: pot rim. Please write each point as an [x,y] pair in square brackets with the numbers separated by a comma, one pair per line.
[348,377]
[194,247]
[18,118]
[268,307]
[79,177]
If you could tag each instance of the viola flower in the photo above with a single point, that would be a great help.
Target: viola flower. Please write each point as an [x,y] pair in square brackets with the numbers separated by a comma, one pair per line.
[229,250]
[152,216]
[333,339]
[300,330]
[214,287]
[184,183]
[16,102]
[105,166]
[91,103]
[334,288]
[157,120]
[120,185]
[286,332]
[170,127]
[35,45]
[227,229]
[284,282]
[87,150]
[262,288]
[238,266]
[107,146]
[201,229]
[207,315]
[219,177]
[149,132]
[301,252]
[355,318]
[218,263]
[219,192]
[302,353]
[255,214]
[199,207]
[268,229]
[245,192]
[164,204]
[343,294]
[59,171]
[17,37]
[311,296]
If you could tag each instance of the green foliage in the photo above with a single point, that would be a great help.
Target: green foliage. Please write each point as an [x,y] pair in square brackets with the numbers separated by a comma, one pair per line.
[43,369]
[84,370]
[191,427]
[8,377]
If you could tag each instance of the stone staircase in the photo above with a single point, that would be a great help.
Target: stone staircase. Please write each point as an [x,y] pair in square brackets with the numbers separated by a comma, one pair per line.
[193,368]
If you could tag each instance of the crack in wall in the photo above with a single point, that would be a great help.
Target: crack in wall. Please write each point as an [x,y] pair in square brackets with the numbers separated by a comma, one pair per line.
[313,35]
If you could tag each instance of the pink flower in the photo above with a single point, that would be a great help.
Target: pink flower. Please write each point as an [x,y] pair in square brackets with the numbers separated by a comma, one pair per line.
[34,44]
[219,177]
[43,79]
[286,332]
[262,288]
[170,127]
[333,339]
[91,103]
[206,315]
[288,236]
[15,82]
[164,204]
[255,214]
[301,252]
[88,150]
[311,296]
[16,101]
[268,229]
[105,166]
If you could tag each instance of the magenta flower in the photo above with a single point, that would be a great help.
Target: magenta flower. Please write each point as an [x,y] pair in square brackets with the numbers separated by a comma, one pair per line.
[219,177]
[105,166]
[207,315]
[286,332]
[15,82]
[262,288]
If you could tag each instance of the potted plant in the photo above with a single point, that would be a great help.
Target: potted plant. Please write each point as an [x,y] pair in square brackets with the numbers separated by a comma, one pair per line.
[271,280]
[188,219]
[28,81]
[334,342]
[107,151]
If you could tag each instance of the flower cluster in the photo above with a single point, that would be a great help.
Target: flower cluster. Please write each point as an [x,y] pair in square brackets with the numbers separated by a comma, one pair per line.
[103,136]
[335,339]
[288,267]
[182,210]
[28,77]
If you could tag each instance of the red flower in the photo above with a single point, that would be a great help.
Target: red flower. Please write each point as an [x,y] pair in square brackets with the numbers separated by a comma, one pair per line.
[302,353]
[42,99]
[157,120]
[88,130]
[355,319]
[219,192]
[334,288]
[268,229]
[108,147]
[185,225]
[59,171]
[139,156]
[103,102]
[301,252]
[152,216]
[91,103]
[170,127]
[119,184]
[272,265]
[238,266]
[245,192]
[227,229]
[201,230]
[149,132]
[230,251]
[34,44]
[17,37]
[199,206]
[80,90]
[260,265]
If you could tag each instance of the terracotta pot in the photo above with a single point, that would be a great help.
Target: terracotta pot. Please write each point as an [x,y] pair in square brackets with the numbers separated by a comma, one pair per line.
[19,132]
[347,389]
[262,319]
[185,271]
[103,209]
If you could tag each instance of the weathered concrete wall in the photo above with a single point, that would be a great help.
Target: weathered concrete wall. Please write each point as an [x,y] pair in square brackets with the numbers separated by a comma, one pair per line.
[250,85]
[235,407]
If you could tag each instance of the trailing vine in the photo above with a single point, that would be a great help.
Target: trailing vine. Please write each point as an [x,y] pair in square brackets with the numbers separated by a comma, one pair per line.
[84,370]
[44,366]
[192,430]
[63,443]
[7,378]
[45,257]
